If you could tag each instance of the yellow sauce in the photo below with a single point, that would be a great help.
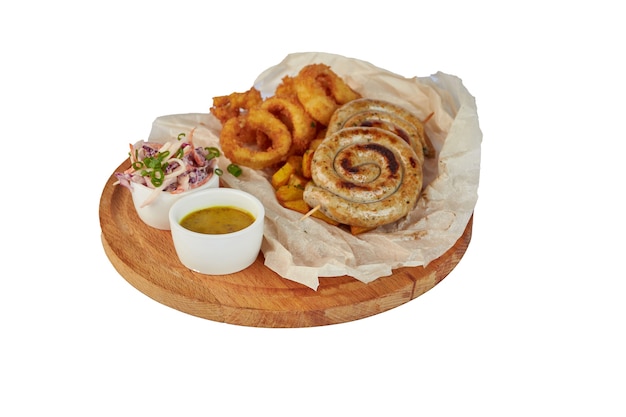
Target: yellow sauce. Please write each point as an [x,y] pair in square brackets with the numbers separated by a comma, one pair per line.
[217,220]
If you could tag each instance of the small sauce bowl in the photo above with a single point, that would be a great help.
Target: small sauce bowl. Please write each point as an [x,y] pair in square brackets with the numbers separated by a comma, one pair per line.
[156,214]
[217,254]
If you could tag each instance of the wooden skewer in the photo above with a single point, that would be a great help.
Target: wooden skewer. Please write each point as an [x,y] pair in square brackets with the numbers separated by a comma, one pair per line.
[313,210]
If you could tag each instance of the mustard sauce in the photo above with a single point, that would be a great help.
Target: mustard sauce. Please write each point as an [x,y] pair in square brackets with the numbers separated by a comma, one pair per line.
[217,220]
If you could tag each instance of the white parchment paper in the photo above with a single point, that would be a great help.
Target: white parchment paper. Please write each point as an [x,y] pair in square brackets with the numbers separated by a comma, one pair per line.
[304,250]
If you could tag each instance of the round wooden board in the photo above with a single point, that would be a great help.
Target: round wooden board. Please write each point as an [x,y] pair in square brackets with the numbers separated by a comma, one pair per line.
[256,296]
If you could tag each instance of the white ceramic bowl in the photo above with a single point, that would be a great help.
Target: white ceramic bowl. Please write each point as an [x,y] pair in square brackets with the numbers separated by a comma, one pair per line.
[217,254]
[156,214]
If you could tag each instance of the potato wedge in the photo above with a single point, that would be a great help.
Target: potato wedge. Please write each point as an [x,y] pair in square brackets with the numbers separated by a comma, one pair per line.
[319,215]
[298,180]
[281,176]
[307,158]
[315,143]
[297,205]
[289,193]
[357,230]
[296,161]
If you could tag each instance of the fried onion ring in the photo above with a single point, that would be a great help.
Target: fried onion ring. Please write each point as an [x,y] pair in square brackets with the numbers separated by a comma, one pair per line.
[234,139]
[286,88]
[371,112]
[321,91]
[365,177]
[232,105]
[292,114]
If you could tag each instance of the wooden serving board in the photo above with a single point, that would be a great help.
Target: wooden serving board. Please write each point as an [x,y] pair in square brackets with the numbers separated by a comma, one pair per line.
[256,296]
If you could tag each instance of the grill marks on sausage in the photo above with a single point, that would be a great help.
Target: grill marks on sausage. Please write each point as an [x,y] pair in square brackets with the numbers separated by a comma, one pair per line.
[387,126]
[390,157]
[349,155]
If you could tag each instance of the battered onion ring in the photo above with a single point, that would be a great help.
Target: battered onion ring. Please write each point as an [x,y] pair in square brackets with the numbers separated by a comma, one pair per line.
[232,105]
[286,88]
[364,177]
[236,131]
[321,91]
[292,114]
[365,110]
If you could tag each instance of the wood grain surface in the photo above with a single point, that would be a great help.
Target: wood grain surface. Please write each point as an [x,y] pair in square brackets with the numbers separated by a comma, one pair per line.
[256,296]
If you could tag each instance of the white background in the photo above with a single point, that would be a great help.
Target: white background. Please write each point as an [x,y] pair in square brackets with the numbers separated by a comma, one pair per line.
[531,322]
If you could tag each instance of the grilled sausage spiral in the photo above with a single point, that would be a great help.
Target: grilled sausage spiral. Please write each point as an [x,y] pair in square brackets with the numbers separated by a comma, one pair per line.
[364,176]
[388,116]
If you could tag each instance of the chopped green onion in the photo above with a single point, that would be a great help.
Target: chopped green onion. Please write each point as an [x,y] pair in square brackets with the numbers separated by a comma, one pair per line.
[156,177]
[234,170]
[137,165]
[218,172]
[179,153]
[150,162]
[212,152]
[181,135]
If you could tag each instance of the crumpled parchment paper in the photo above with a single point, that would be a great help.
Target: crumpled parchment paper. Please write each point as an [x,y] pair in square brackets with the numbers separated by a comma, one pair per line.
[304,250]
